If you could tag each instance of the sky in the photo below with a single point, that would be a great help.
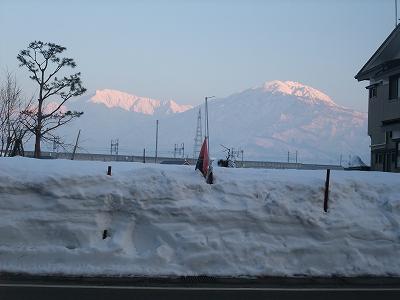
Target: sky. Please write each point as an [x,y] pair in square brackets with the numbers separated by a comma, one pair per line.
[185,50]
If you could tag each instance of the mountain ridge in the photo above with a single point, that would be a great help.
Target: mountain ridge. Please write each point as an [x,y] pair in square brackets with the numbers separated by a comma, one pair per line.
[267,122]
[130,102]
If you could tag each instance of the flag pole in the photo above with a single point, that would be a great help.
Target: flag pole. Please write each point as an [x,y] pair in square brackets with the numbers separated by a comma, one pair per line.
[207,132]
[207,129]
[206,113]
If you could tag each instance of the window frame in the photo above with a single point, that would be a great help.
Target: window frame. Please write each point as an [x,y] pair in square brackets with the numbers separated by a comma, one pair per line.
[394,91]
[373,92]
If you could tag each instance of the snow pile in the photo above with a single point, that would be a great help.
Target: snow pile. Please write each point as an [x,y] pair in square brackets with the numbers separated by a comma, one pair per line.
[164,220]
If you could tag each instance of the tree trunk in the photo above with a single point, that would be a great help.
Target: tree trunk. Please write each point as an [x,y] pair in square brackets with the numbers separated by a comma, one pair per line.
[37,153]
[2,147]
[38,129]
[8,144]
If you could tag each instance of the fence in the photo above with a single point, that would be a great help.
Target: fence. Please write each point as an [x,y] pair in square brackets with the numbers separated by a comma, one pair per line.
[151,159]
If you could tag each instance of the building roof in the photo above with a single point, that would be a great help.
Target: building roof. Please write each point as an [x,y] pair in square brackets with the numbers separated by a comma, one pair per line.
[385,54]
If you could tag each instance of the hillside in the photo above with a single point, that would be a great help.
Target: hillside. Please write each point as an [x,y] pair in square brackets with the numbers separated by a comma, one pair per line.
[266,122]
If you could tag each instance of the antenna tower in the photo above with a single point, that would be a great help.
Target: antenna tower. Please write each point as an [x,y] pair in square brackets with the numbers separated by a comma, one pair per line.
[114,147]
[198,140]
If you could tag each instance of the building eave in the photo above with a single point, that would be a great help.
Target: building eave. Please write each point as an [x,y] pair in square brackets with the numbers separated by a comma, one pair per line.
[365,72]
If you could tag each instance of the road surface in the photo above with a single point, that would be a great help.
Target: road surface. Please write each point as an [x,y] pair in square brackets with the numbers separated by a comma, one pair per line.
[230,289]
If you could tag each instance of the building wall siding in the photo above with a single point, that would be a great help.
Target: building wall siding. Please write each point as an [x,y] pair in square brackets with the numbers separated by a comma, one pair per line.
[384,152]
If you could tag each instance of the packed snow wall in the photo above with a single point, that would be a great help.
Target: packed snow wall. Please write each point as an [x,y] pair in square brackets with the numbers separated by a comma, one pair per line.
[69,217]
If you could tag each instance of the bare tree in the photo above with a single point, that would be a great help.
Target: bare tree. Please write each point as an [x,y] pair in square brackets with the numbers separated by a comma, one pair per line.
[44,63]
[12,130]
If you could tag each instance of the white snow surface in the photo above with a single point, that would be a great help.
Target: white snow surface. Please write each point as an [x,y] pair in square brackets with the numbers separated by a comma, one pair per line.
[165,220]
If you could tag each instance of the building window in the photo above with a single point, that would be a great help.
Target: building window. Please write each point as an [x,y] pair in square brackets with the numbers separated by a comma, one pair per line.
[398,155]
[388,136]
[373,91]
[394,87]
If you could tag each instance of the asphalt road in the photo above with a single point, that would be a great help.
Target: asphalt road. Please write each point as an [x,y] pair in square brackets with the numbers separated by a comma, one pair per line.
[120,289]
[106,292]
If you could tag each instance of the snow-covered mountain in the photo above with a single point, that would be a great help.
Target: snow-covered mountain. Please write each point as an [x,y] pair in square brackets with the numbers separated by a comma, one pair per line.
[305,93]
[284,116]
[144,105]
[267,122]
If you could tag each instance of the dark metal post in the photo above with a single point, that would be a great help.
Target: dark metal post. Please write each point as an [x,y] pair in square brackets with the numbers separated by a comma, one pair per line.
[326,197]
[144,155]
[109,171]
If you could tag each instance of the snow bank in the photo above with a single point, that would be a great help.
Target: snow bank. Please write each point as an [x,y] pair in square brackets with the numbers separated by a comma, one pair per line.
[164,220]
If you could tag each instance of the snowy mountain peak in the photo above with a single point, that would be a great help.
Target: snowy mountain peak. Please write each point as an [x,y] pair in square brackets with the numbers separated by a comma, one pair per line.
[144,105]
[296,89]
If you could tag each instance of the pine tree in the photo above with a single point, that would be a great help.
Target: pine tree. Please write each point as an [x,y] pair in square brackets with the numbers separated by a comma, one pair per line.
[43,61]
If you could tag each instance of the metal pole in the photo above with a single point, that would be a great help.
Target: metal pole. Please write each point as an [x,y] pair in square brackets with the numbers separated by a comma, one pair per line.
[205,120]
[207,129]
[326,195]
[76,145]
[207,138]
[206,111]
[155,158]
[395,13]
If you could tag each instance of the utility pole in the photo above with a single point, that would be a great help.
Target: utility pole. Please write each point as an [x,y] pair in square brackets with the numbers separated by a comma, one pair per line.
[55,144]
[144,155]
[288,156]
[76,145]
[395,13]
[155,158]
[296,156]
[183,150]
[242,157]
[340,160]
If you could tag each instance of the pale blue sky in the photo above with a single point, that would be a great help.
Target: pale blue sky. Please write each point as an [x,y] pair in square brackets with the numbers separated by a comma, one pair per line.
[184,50]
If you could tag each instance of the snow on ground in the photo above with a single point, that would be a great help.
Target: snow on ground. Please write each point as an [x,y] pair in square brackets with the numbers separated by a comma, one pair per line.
[165,220]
